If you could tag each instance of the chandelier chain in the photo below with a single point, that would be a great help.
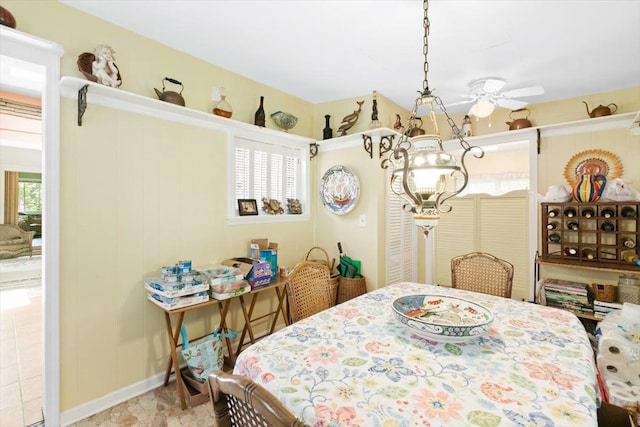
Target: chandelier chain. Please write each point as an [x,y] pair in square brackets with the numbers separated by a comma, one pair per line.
[425,48]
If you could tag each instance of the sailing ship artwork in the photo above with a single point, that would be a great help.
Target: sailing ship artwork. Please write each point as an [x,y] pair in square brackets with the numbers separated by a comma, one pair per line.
[339,189]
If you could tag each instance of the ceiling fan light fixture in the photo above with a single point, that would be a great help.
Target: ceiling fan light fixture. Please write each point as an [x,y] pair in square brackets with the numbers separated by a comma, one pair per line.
[482,108]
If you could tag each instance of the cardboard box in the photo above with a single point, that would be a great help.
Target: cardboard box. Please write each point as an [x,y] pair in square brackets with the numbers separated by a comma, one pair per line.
[257,273]
[196,392]
[263,250]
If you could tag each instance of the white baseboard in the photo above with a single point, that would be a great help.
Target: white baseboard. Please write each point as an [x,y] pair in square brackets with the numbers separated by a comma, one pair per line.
[110,400]
[107,401]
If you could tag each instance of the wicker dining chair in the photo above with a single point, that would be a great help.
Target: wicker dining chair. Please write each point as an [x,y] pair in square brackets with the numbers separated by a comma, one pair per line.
[482,272]
[308,290]
[238,401]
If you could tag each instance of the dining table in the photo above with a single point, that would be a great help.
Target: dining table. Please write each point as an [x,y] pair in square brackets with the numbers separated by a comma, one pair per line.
[356,364]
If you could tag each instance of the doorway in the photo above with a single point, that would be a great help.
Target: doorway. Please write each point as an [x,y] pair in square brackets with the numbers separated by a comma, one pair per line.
[39,59]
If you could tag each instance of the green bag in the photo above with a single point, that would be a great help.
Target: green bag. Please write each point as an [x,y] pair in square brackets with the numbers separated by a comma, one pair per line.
[204,355]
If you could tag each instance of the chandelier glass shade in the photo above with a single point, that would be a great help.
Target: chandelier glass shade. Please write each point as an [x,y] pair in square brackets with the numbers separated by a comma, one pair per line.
[423,174]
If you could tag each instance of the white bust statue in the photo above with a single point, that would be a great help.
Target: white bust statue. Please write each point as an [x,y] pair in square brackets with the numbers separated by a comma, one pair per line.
[104,67]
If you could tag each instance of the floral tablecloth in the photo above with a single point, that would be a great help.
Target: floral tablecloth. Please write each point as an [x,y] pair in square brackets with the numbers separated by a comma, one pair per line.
[355,365]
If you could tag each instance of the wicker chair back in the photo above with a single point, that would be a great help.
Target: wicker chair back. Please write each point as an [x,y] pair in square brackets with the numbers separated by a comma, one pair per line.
[309,290]
[482,272]
[238,401]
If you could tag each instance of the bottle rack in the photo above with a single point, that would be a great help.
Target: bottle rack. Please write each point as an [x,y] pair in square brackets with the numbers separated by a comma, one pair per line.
[607,246]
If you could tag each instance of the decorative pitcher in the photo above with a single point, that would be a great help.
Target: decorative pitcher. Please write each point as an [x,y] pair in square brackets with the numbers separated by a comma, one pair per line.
[588,188]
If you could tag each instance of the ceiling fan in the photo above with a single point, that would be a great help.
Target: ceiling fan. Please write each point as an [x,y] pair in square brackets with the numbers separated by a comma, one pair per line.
[486,95]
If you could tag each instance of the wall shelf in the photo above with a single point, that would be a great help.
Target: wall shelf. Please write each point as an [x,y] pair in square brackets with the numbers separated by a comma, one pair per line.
[594,267]
[357,139]
[98,94]
[615,121]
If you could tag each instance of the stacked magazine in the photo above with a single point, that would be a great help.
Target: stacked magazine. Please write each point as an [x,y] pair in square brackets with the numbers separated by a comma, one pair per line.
[569,295]
[601,308]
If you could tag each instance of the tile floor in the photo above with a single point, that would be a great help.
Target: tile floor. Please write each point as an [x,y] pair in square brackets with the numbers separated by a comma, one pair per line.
[21,356]
[157,408]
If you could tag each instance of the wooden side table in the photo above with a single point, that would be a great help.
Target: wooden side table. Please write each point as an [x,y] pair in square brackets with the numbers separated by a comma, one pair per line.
[278,285]
[173,330]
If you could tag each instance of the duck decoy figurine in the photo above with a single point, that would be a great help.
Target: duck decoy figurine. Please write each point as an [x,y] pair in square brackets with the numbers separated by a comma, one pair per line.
[350,119]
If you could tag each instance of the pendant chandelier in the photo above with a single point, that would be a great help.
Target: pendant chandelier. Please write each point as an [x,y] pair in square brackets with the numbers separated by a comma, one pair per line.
[422,173]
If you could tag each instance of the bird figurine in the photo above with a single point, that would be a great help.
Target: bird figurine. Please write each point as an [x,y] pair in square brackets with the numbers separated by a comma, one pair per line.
[350,119]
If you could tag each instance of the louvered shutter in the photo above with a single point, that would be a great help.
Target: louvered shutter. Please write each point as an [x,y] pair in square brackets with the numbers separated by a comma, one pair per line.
[401,241]
[242,171]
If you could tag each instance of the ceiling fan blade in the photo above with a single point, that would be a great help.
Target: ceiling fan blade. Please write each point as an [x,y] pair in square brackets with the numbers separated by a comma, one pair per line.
[460,102]
[512,104]
[493,85]
[525,91]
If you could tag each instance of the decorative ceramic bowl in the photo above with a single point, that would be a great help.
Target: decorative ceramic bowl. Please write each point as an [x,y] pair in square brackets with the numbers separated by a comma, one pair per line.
[443,318]
[284,120]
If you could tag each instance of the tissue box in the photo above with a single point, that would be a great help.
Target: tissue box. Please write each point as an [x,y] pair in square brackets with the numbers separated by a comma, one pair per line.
[263,250]
[257,273]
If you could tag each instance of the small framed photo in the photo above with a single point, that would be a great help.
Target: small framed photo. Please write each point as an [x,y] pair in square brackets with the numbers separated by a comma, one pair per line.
[247,207]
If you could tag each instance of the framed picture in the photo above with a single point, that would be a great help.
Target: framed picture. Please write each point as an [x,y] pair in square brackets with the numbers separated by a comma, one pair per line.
[247,207]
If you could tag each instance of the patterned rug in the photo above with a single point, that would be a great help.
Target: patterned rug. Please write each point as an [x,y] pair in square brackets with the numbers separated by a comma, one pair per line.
[20,272]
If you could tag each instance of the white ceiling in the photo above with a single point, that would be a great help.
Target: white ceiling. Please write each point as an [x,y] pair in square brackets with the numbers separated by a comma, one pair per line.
[328,50]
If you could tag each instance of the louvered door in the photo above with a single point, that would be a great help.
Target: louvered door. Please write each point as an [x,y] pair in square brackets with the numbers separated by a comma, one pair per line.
[498,225]
[401,235]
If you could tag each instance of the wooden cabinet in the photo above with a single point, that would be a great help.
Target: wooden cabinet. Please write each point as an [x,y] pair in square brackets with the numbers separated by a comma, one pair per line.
[590,235]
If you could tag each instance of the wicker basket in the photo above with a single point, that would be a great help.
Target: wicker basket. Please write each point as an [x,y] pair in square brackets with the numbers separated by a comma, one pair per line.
[324,260]
[350,288]
[334,284]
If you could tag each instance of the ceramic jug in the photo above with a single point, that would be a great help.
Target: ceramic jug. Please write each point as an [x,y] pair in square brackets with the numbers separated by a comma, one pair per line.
[588,188]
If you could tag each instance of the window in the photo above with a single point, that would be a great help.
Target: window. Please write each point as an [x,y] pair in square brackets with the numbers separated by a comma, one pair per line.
[29,193]
[497,184]
[268,169]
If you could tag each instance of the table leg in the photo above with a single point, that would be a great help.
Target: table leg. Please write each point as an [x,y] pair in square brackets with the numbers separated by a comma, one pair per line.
[247,322]
[224,309]
[282,293]
[173,340]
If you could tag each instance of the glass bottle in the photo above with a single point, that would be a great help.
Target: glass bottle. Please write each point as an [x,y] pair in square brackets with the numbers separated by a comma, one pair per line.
[631,257]
[588,213]
[569,251]
[607,226]
[223,108]
[570,212]
[628,242]
[573,225]
[608,212]
[628,212]
[552,225]
[553,213]
[554,237]
[327,132]
[589,253]
[260,117]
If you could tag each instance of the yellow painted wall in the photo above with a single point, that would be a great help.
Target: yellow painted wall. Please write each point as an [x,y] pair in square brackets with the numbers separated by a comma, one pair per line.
[366,244]
[138,193]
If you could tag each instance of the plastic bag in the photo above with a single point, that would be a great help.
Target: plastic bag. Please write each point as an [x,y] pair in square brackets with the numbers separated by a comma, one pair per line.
[617,190]
[557,194]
